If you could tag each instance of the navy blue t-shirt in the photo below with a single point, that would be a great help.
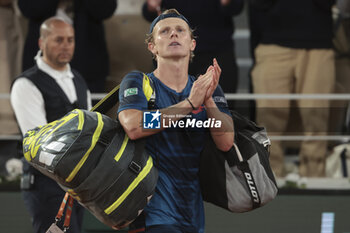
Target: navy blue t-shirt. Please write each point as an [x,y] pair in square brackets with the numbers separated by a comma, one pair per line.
[175,151]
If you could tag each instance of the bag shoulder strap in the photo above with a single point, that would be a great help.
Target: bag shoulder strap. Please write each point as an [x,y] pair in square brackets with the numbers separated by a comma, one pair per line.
[112,97]
[67,199]
[148,90]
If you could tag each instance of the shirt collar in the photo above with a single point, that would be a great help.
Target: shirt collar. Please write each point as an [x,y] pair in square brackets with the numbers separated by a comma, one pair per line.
[56,74]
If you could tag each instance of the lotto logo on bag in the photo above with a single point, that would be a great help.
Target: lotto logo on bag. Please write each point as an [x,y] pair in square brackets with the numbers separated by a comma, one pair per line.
[151,120]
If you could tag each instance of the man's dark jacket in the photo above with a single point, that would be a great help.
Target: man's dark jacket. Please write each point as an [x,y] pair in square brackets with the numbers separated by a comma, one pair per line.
[90,57]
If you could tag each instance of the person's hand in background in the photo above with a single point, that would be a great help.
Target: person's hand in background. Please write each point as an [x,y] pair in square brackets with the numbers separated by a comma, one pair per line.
[154,5]
[225,2]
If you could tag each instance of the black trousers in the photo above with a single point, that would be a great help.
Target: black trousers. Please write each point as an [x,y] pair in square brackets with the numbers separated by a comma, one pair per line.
[43,202]
[227,62]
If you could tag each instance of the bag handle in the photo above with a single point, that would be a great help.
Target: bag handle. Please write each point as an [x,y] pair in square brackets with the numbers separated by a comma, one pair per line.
[239,155]
[249,179]
[108,101]
[70,200]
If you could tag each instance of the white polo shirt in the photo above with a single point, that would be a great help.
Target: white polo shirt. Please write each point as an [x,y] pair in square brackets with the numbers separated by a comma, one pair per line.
[28,102]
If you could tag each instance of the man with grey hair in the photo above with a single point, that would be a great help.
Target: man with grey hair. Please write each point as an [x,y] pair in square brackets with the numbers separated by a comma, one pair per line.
[42,94]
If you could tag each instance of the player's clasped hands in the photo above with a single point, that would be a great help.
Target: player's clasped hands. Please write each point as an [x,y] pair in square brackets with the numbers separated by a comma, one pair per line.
[204,87]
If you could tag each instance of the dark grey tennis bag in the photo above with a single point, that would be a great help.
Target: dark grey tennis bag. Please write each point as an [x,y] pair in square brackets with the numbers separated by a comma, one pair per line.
[241,179]
[92,158]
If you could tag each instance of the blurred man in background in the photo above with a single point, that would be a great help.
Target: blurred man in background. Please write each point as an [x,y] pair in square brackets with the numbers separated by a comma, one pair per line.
[295,55]
[42,94]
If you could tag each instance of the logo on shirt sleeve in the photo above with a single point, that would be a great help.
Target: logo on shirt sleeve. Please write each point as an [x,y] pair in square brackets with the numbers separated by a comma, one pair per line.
[130,92]
[219,99]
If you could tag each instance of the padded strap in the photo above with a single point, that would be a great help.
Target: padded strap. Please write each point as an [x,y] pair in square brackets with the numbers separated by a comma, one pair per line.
[249,178]
[107,102]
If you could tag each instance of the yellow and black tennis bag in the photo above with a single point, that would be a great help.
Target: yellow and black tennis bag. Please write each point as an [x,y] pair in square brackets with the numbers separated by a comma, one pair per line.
[92,158]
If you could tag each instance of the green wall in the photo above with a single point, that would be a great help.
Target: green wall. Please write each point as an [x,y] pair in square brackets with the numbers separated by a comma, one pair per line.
[287,214]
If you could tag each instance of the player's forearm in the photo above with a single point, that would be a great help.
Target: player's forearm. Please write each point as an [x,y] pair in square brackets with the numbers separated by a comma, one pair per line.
[223,136]
[132,119]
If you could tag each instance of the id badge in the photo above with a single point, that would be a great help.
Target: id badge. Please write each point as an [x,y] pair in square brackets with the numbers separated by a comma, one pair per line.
[54,229]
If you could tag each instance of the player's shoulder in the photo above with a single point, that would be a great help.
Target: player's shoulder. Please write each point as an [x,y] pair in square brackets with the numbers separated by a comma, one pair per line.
[136,75]
[131,79]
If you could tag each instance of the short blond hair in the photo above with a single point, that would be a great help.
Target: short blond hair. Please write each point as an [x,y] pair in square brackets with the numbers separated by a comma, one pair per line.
[150,37]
